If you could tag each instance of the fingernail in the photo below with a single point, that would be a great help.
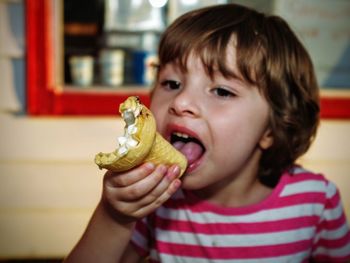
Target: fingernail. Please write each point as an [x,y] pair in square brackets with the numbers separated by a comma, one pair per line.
[161,168]
[173,172]
[177,183]
[176,169]
[149,166]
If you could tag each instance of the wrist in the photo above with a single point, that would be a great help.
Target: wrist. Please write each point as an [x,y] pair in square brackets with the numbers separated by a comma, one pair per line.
[115,217]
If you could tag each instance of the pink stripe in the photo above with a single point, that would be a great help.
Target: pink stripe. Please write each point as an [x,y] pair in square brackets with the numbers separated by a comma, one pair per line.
[198,205]
[236,228]
[306,176]
[333,224]
[298,199]
[333,201]
[141,251]
[233,252]
[325,258]
[334,243]
[141,227]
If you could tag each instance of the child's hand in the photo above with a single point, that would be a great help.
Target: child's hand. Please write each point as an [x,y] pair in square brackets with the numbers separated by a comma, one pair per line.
[138,192]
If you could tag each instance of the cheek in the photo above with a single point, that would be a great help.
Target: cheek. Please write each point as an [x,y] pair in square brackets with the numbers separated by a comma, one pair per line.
[158,99]
[159,111]
[240,133]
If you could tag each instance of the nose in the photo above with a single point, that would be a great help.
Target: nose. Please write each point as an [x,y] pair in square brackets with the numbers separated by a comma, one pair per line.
[185,104]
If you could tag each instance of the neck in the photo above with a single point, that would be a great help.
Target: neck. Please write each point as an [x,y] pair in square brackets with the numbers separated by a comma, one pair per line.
[240,189]
[237,195]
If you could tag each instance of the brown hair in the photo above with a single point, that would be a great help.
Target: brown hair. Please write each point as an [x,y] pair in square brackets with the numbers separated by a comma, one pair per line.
[270,56]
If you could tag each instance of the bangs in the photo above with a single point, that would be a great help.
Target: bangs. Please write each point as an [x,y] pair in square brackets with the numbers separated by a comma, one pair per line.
[185,37]
[210,50]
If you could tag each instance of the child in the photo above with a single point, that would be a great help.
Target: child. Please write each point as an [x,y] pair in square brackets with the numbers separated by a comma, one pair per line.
[237,94]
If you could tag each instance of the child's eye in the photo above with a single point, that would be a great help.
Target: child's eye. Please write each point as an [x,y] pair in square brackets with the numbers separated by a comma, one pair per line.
[171,84]
[222,92]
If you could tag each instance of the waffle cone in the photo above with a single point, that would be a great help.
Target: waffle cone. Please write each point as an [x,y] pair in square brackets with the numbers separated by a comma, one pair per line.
[163,152]
[152,147]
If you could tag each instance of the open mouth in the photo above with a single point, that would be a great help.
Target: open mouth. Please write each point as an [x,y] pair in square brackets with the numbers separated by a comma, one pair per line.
[189,146]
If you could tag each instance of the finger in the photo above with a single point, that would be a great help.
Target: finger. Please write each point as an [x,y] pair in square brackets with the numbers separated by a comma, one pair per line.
[142,187]
[172,173]
[159,194]
[129,177]
[145,210]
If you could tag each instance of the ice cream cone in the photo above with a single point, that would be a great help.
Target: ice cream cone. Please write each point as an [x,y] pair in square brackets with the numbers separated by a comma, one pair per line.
[140,143]
[163,152]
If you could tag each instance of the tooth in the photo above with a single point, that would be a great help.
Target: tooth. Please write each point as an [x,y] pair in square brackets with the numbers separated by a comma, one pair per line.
[185,136]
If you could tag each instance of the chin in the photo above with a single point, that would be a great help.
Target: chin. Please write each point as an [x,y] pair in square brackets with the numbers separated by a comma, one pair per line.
[192,182]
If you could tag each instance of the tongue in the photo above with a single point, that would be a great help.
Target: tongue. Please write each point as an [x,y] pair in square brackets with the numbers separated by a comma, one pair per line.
[191,150]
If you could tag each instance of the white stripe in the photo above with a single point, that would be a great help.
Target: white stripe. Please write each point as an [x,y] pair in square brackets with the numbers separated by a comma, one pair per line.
[232,240]
[331,190]
[334,213]
[295,258]
[307,186]
[266,215]
[335,252]
[333,234]
[154,255]
[299,170]
[139,239]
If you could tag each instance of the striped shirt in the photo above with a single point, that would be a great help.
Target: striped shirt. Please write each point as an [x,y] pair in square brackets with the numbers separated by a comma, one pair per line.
[301,220]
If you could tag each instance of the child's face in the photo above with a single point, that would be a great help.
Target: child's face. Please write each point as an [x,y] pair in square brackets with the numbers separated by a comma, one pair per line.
[227,117]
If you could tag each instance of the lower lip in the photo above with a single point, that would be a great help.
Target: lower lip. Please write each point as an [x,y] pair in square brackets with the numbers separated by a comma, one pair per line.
[195,165]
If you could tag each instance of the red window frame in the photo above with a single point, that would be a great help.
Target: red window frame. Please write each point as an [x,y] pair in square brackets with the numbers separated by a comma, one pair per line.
[44,97]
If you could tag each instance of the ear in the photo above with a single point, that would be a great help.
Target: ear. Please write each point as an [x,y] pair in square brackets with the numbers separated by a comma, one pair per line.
[266,139]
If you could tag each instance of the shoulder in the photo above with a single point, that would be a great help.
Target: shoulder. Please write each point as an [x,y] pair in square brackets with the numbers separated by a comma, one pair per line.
[311,193]
[299,180]
[311,189]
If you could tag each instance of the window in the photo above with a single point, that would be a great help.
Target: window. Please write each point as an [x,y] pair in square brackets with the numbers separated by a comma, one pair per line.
[52,91]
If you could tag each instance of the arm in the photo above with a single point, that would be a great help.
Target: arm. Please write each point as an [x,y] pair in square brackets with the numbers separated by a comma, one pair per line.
[126,197]
[332,240]
[104,240]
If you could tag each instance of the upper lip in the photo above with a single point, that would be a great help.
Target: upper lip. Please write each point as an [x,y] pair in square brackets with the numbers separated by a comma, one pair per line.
[175,128]
[184,131]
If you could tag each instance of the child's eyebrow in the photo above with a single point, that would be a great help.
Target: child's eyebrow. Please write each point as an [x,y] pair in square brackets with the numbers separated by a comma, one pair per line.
[230,75]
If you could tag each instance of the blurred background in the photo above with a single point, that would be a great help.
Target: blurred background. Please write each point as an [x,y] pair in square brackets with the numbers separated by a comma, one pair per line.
[49,184]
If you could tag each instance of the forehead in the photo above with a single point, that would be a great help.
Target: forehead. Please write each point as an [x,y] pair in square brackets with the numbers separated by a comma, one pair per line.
[215,62]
